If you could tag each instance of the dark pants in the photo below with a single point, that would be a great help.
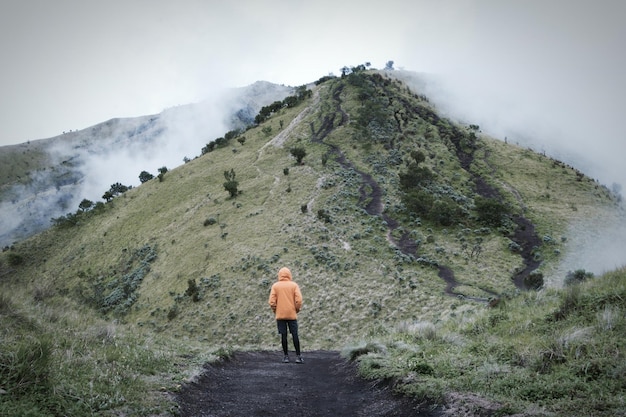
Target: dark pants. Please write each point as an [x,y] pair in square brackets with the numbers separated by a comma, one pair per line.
[293,329]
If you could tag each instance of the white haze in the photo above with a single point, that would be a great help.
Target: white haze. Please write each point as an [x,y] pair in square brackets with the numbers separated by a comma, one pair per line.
[86,163]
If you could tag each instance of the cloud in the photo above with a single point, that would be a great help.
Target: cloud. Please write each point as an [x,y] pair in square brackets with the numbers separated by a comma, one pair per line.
[544,75]
[548,75]
[85,163]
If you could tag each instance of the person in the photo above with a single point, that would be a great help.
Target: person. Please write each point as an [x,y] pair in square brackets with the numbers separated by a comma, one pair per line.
[286,301]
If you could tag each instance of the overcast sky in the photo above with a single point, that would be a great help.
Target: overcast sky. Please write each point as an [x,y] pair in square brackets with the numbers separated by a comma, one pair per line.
[548,71]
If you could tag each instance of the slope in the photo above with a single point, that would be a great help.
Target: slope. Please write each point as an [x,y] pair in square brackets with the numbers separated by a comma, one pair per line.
[181,260]
[312,217]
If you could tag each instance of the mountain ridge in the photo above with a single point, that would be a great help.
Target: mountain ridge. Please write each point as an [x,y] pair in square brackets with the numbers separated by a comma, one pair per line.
[323,128]
[387,198]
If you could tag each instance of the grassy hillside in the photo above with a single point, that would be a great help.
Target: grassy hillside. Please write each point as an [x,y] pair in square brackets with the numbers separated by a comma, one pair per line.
[554,352]
[132,296]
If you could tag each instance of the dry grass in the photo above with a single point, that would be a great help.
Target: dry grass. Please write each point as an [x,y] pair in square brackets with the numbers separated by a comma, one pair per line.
[355,285]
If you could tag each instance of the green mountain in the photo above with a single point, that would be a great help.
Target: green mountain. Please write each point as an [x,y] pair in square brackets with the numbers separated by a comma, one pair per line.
[396,222]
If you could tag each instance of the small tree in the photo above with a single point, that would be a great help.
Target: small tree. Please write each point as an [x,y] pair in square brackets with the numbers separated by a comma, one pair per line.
[85,205]
[209,147]
[192,290]
[145,176]
[231,184]
[118,188]
[418,156]
[299,153]
[108,196]
[162,172]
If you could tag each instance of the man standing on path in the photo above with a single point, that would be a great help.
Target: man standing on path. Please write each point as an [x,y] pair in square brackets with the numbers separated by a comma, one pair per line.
[286,302]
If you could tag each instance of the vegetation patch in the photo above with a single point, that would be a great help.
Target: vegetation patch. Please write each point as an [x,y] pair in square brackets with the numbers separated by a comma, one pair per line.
[117,293]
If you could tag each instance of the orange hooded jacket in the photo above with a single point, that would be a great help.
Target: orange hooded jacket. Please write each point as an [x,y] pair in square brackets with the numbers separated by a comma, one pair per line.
[285,297]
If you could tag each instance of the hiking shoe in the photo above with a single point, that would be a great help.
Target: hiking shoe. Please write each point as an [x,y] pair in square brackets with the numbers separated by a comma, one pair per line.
[299,359]
[286,359]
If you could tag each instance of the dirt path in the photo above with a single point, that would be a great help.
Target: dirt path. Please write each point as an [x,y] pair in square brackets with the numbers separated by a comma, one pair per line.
[259,384]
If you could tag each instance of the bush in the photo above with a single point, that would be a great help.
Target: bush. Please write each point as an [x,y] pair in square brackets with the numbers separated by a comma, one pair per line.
[231,183]
[145,176]
[118,293]
[324,215]
[192,290]
[445,212]
[415,176]
[66,221]
[490,211]
[299,153]
[419,202]
[534,280]
[578,276]
[172,313]
[15,259]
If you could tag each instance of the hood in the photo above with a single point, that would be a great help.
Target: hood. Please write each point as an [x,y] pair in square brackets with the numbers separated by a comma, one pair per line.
[284,274]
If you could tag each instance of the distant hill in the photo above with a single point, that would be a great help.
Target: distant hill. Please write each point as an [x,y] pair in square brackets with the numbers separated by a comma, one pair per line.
[47,178]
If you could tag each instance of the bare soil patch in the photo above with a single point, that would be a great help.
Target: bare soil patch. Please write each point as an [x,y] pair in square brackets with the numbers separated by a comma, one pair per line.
[259,384]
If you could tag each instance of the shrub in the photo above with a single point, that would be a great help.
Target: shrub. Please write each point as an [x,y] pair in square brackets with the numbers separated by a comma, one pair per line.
[231,184]
[192,290]
[66,221]
[446,212]
[85,205]
[577,277]
[145,176]
[490,211]
[415,176]
[571,300]
[324,215]
[172,313]
[419,202]
[118,293]
[209,147]
[534,280]
[299,153]
[15,259]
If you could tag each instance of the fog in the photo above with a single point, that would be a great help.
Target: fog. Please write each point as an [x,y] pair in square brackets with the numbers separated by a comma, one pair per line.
[85,163]
[546,75]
